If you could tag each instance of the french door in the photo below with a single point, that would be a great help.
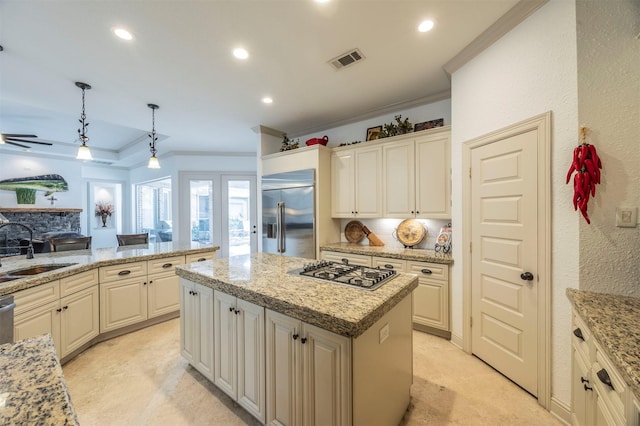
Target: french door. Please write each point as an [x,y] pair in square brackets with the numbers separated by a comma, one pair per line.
[219,209]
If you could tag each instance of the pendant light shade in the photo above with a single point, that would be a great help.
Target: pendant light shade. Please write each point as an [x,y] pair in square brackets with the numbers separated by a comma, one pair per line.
[153,161]
[83,151]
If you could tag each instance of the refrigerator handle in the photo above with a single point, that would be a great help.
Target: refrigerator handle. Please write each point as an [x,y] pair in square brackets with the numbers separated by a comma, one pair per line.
[280,235]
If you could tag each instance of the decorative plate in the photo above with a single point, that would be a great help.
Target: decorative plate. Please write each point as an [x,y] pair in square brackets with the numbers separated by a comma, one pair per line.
[353,232]
[410,232]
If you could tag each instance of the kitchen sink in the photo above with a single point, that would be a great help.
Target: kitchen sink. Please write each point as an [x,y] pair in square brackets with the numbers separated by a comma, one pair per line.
[34,270]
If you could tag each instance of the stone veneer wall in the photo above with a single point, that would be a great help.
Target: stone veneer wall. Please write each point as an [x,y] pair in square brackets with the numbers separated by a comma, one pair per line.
[42,222]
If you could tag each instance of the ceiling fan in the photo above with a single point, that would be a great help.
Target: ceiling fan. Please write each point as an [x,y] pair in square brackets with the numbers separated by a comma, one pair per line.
[14,138]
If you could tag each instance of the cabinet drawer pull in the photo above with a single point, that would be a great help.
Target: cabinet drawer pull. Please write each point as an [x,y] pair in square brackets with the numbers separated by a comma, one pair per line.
[202,259]
[578,333]
[388,266]
[604,378]
[426,271]
[167,265]
[345,260]
[125,272]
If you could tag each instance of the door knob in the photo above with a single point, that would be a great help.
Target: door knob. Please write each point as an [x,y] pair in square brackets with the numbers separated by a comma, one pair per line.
[527,276]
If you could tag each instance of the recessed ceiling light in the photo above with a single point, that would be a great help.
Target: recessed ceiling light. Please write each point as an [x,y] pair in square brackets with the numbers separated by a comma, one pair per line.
[425,26]
[267,100]
[123,34]
[240,53]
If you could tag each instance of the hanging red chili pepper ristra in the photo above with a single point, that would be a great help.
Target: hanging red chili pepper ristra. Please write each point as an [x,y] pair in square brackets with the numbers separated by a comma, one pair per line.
[587,164]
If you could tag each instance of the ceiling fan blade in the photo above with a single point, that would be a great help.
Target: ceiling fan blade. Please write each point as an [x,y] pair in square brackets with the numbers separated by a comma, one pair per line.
[17,135]
[22,140]
[18,144]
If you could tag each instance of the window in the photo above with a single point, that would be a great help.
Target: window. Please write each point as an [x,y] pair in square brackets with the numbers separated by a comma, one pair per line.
[153,209]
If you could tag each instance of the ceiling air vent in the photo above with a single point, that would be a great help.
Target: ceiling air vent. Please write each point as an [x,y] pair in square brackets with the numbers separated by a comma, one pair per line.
[347,59]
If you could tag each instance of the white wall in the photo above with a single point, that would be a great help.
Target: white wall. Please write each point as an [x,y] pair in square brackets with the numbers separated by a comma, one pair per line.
[609,93]
[531,70]
[357,131]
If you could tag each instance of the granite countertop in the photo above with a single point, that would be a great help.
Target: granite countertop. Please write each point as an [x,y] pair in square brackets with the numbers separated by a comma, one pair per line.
[263,279]
[614,322]
[84,260]
[420,255]
[32,388]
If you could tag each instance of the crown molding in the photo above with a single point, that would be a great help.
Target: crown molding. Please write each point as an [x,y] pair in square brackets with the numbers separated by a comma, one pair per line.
[518,13]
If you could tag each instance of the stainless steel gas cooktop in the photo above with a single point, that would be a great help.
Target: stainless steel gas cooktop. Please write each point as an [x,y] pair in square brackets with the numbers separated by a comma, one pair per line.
[363,277]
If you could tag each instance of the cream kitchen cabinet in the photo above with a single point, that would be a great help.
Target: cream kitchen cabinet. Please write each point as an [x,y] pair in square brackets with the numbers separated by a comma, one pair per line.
[308,374]
[599,394]
[134,292]
[66,308]
[356,182]
[430,298]
[196,326]
[163,286]
[123,295]
[239,352]
[417,176]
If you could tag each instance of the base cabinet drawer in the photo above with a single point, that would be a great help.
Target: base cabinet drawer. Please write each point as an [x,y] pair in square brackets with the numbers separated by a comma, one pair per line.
[352,259]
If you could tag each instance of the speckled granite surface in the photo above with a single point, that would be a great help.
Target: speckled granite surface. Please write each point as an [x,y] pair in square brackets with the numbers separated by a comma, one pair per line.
[420,255]
[32,388]
[84,260]
[615,324]
[263,279]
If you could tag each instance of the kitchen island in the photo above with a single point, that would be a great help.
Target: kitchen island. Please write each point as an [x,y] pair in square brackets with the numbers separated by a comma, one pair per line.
[297,350]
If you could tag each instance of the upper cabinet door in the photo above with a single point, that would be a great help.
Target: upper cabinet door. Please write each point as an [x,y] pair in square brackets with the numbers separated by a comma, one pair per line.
[342,184]
[433,176]
[398,179]
[368,182]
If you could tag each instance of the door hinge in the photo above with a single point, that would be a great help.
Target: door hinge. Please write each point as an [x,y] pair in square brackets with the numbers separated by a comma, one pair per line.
[469,172]
[470,246]
[470,321]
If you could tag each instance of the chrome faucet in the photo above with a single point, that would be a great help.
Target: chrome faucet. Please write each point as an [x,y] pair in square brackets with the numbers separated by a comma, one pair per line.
[30,247]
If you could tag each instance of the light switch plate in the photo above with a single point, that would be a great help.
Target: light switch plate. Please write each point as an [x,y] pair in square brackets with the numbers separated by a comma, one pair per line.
[627,217]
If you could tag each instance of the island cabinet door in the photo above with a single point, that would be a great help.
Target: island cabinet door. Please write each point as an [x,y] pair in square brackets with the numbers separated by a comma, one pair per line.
[196,326]
[251,358]
[225,357]
[284,370]
[122,303]
[326,377]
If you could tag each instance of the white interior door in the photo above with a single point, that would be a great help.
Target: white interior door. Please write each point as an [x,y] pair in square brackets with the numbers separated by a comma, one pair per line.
[504,222]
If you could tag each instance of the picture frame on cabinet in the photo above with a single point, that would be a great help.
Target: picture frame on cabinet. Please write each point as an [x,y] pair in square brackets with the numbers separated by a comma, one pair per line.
[373,133]
[428,124]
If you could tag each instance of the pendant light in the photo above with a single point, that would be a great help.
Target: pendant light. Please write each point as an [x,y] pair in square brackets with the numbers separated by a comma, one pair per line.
[83,151]
[153,161]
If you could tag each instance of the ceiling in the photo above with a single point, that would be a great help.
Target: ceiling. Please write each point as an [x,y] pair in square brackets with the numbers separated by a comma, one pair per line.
[180,58]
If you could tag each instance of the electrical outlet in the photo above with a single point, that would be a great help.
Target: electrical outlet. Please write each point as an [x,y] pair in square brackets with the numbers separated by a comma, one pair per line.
[627,217]
[384,333]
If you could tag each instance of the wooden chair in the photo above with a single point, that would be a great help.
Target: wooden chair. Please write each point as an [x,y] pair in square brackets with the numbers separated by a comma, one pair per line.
[132,239]
[66,244]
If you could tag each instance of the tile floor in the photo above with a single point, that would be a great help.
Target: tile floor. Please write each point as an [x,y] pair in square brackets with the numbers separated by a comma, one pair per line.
[141,379]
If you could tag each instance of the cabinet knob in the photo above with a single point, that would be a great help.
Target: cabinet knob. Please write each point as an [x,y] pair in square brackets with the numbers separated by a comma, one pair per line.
[151,282]
[230,308]
[59,310]
[65,308]
[295,336]
[236,311]
[412,212]
[526,276]
[144,283]
[587,388]
[303,340]
[417,212]
[195,293]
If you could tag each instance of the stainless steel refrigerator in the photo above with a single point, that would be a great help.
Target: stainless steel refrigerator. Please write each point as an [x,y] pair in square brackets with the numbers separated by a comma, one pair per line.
[288,219]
